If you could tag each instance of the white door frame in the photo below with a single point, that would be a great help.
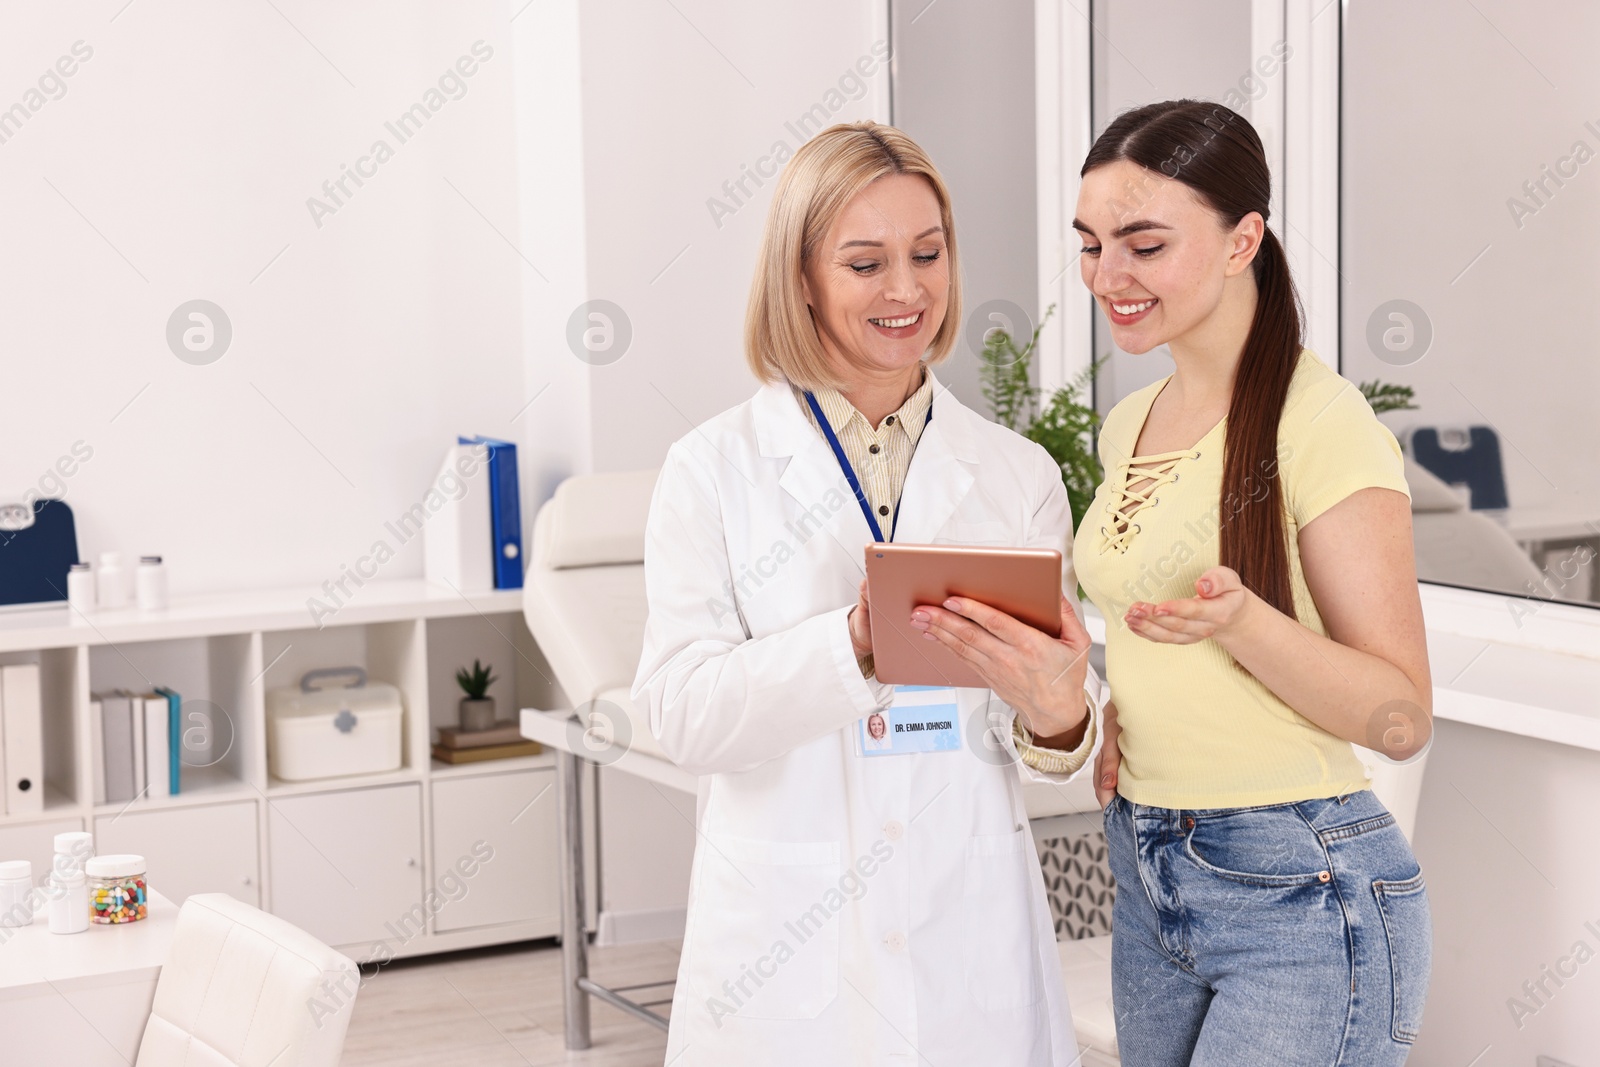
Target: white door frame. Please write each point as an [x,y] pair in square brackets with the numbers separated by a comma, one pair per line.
[1310,175]
[1063,131]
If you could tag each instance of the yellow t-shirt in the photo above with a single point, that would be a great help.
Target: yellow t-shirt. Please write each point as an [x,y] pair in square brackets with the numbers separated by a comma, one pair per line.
[1197,730]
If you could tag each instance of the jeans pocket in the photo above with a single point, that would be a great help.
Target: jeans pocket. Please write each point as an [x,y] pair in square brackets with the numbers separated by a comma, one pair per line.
[1268,847]
[1408,929]
[740,949]
[999,946]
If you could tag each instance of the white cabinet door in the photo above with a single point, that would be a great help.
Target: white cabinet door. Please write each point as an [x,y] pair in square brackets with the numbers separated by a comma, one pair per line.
[347,867]
[36,843]
[494,850]
[206,849]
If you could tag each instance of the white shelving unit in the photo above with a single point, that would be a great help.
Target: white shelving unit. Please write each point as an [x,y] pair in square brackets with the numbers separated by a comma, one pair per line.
[381,866]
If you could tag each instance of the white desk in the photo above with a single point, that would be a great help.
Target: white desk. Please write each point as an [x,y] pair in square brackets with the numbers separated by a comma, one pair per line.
[1524,691]
[1547,522]
[81,999]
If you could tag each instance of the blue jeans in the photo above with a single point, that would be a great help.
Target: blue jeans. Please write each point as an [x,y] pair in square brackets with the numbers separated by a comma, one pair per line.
[1274,936]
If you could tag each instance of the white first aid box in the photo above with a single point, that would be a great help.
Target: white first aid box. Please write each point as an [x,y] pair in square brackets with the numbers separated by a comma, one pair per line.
[316,731]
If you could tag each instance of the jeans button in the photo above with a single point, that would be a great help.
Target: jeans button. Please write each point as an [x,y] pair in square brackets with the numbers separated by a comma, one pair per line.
[1188,823]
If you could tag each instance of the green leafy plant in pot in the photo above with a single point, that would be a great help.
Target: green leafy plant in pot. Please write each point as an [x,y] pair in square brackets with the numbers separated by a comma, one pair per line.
[477,707]
[1065,427]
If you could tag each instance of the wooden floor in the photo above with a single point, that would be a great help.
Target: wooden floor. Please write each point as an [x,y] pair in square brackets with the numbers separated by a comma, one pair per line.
[502,1006]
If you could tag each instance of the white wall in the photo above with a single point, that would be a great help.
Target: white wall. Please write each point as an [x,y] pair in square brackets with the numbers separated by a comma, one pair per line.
[434,301]
[1504,841]
[178,165]
[965,90]
[678,99]
[549,135]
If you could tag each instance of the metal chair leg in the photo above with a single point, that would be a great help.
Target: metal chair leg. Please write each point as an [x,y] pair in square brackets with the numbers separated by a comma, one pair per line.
[574,938]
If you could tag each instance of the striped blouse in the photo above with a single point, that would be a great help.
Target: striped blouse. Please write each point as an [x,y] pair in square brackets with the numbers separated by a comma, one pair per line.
[881,457]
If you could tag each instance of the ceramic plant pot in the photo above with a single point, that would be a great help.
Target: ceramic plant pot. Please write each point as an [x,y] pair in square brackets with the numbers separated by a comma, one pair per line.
[477,714]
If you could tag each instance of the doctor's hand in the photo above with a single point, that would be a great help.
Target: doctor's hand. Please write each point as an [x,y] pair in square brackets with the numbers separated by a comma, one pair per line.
[861,622]
[1040,676]
[1221,601]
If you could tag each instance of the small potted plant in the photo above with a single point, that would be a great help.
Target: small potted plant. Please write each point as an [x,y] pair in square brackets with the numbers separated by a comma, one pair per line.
[477,707]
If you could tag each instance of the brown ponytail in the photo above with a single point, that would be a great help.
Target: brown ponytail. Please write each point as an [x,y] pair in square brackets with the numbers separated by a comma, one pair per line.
[1218,154]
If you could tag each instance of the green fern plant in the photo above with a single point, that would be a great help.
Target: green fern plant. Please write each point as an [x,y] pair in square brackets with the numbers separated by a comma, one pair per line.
[1066,428]
[1005,376]
[476,683]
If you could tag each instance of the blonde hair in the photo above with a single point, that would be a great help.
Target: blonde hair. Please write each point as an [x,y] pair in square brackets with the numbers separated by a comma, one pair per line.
[780,338]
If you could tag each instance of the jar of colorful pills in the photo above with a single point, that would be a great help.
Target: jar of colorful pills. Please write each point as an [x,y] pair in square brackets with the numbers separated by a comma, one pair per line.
[116,888]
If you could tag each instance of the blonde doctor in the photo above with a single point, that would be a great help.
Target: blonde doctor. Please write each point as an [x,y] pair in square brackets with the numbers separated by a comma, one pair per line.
[856,898]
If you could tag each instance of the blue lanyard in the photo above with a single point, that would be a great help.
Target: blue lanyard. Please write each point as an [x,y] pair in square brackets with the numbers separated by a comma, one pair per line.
[850,473]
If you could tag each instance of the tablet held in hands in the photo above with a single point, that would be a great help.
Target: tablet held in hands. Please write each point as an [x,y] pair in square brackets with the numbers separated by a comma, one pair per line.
[1025,583]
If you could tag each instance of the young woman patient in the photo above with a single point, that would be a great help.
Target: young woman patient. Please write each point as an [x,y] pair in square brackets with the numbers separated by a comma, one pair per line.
[1251,551]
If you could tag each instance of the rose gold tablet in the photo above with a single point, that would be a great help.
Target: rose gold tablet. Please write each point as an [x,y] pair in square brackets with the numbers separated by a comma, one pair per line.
[1025,583]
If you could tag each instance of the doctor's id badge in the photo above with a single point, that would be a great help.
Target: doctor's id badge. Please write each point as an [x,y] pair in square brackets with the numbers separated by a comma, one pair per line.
[923,718]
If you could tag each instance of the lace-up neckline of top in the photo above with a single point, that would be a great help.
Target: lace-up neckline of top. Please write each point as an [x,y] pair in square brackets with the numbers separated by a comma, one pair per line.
[1158,469]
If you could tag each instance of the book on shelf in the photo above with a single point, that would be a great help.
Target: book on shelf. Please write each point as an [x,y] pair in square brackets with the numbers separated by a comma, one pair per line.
[116,747]
[97,745]
[141,781]
[22,739]
[174,737]
[504,732]
[505,510]
[157,754]
[486,752]
[458,541]
[134,744]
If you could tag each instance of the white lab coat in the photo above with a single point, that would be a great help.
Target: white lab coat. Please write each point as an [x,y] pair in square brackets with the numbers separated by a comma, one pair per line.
[842,910]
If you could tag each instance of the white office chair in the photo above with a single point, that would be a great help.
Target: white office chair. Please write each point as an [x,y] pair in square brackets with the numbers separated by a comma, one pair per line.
[245,989]
[583,594]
